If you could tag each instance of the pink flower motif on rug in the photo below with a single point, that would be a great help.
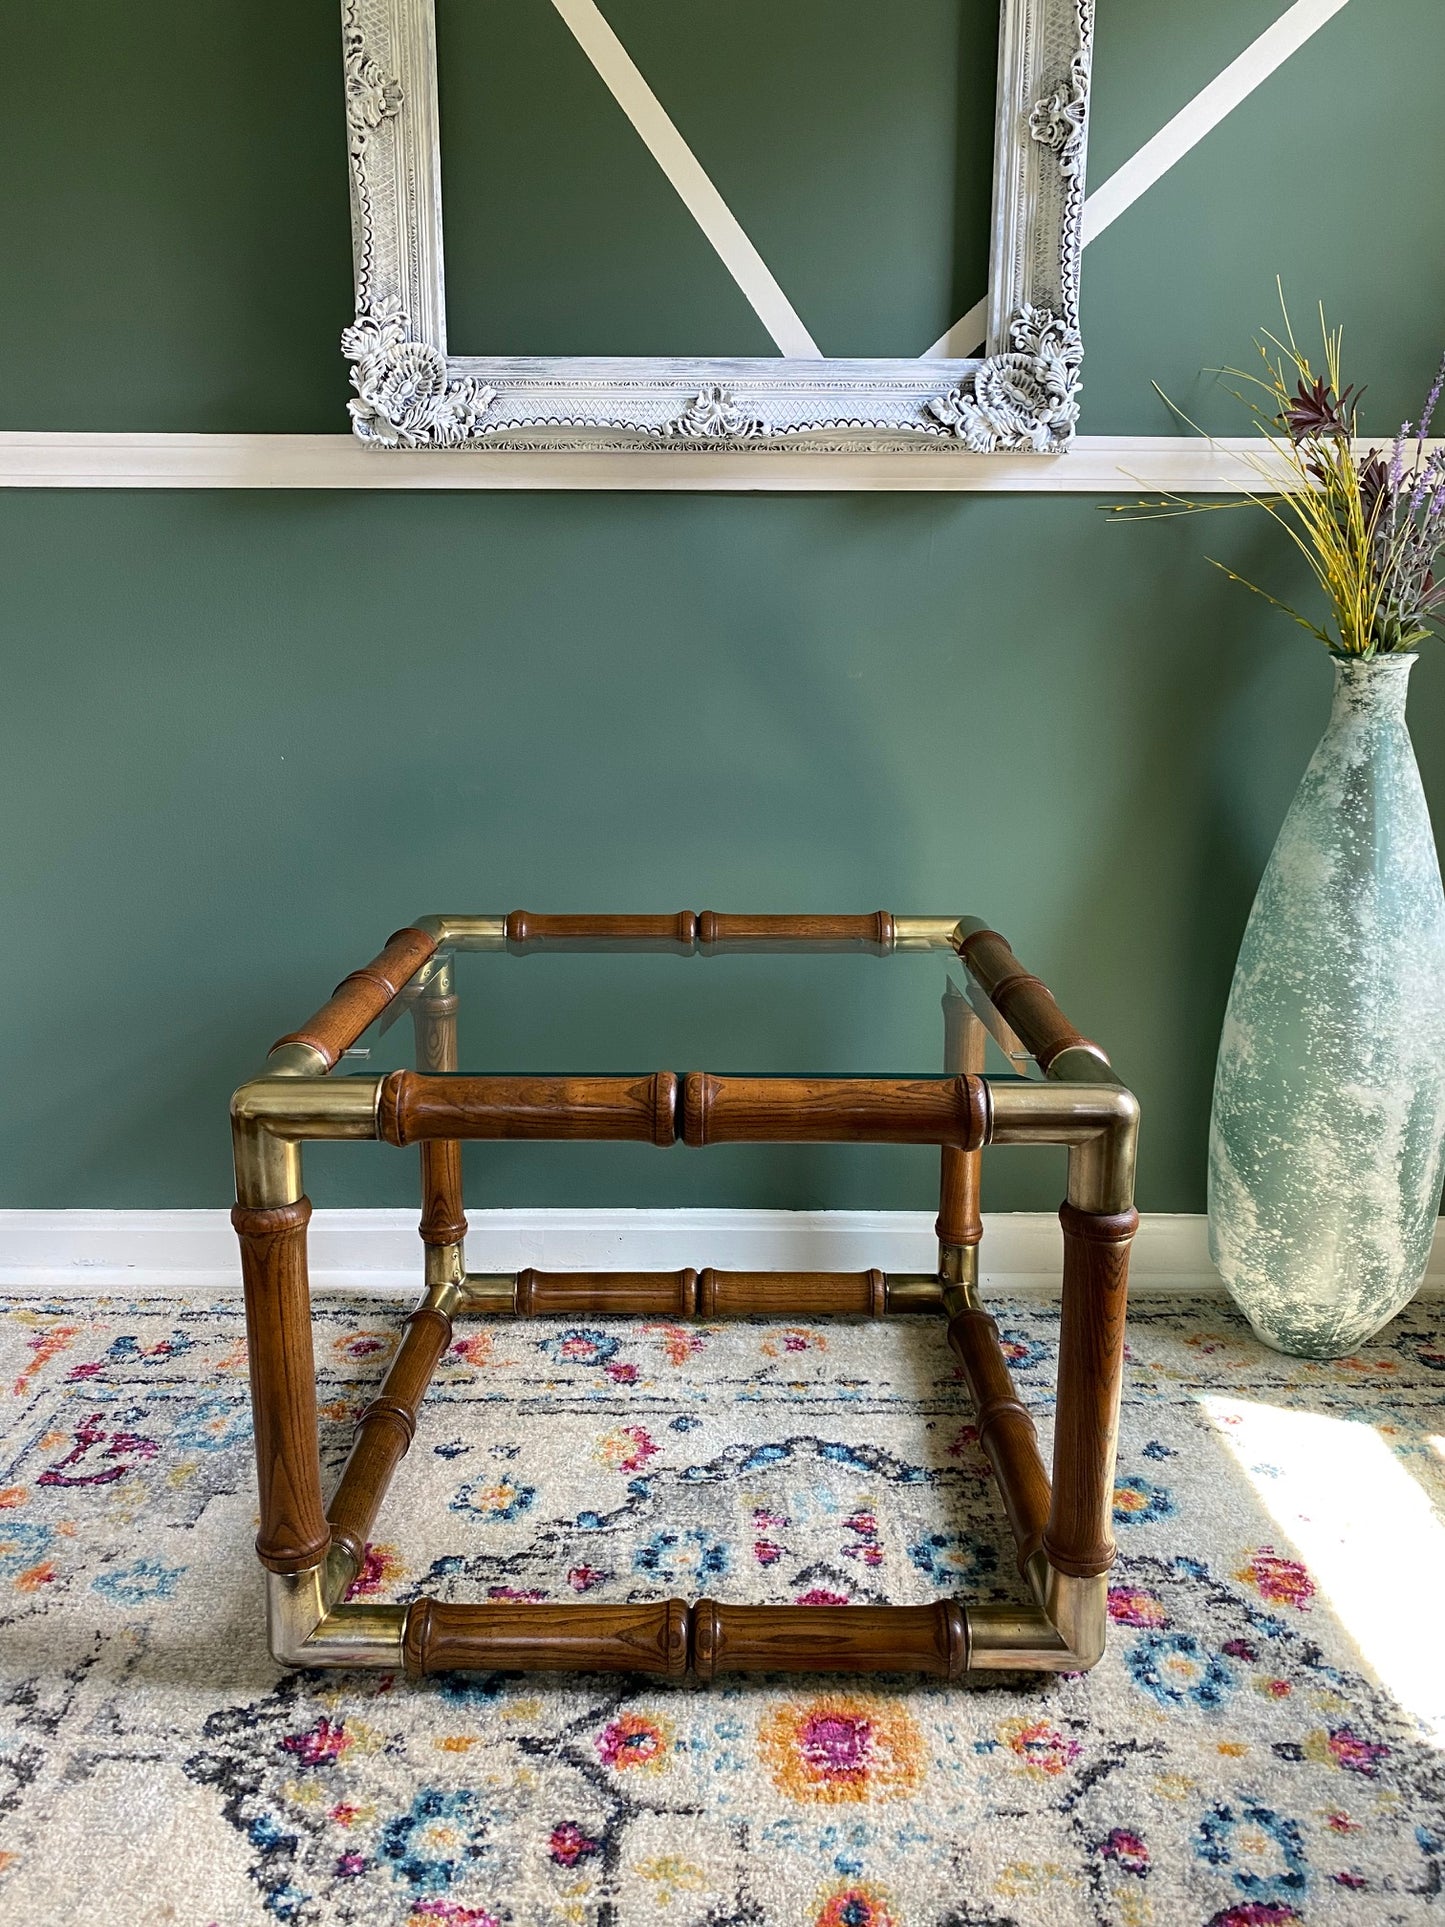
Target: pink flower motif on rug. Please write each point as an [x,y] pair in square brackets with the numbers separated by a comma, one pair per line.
[1133,1606]
[1256,1913]
[863,1524]
[584,1577]
[1343,1747]
[632,1740]
[795,1338]
[1283,1582]
[1126,1850]
[362,1345]
[320,1744]
[569,1844]
[380,1566]
[126,1449]
[446,1913]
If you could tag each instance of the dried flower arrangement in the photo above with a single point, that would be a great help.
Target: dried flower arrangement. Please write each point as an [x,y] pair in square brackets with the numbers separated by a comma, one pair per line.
[1370,529]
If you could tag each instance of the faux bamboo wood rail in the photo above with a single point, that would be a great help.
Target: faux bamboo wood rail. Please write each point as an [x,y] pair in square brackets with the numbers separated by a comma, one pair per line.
[685,931]
[706,1294]
[671,1639]
[698,1108]
[311,1550]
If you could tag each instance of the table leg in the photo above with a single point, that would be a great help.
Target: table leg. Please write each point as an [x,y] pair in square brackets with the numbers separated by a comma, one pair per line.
[1078,1539]
[443,1222]
[385,1430]
[294,1532]
[960,1225]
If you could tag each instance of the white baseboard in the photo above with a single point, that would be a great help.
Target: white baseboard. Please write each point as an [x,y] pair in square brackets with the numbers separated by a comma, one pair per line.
[92,1253]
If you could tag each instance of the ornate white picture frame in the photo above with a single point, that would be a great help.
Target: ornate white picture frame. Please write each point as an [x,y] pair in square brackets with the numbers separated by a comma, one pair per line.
[1021,395]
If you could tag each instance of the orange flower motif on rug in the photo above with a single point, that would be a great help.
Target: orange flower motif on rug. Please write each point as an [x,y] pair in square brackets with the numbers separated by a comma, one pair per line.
[854,1906]
[476,1349]
[1043,1749]
[626,1450]
[679,1342]
[842,1747]
[48,1345]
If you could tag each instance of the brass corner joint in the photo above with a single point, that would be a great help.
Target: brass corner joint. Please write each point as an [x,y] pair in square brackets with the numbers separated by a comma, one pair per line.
[274,1113]
[465,933]
[445,1275]
[1087,1109]
[306,1627]
[1064,1633]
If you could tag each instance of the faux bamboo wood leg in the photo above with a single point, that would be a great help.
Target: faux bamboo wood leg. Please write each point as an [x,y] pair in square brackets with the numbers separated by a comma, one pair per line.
[293,1531]
[1005,1429]
[1078,1540]
[385,1430]
[443,1222]
[960,1224]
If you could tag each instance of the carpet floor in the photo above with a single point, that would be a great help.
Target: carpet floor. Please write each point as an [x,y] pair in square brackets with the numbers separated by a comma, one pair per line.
[1263,1744]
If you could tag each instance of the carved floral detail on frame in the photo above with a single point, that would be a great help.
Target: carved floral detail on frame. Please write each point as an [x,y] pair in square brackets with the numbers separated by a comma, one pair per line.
[1025,400]
[403,397]
[372,94]
[1058,122]
[715,415]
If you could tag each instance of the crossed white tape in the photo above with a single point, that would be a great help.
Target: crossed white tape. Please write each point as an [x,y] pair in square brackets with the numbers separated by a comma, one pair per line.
[1297,24]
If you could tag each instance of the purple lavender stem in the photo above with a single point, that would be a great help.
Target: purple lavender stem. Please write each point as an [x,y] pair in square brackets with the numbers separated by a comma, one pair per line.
[1432,400]
[1397,458]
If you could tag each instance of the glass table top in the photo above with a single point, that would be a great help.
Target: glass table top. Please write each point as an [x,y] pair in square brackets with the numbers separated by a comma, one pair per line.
[629,1012]
[613,1012]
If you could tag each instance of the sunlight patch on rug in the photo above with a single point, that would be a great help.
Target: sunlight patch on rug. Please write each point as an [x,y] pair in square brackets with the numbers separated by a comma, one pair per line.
[1367,1533]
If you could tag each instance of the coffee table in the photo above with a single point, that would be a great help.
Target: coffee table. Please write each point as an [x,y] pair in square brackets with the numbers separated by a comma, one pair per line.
[1059,1090]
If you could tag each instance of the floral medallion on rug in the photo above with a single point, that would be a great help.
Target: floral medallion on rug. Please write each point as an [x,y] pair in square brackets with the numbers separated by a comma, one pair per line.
[1263,1744]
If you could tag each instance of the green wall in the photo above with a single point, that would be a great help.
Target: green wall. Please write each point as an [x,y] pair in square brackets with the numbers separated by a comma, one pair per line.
[246,734]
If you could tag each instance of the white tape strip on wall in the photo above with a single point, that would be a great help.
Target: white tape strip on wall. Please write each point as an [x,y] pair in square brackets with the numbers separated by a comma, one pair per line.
[1173,141]
[678,162]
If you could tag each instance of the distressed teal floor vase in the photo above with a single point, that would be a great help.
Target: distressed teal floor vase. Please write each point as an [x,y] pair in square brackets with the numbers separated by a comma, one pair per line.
[1327,1137]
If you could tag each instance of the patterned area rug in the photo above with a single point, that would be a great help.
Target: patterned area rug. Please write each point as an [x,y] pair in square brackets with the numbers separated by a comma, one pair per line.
[1262,1744]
